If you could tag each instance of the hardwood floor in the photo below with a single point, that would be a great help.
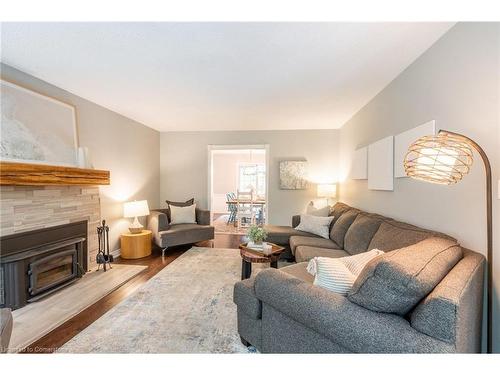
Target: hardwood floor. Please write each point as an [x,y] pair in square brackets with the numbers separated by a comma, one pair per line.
[155,263]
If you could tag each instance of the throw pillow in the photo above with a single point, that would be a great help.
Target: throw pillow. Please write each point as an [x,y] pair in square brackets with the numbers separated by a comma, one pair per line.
[315,225]
[339,274]
[189,202]
[397,281]
[323,212]
[183,215]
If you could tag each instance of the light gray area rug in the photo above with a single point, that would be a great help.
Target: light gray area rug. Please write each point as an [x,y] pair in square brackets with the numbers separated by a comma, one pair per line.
[185,308]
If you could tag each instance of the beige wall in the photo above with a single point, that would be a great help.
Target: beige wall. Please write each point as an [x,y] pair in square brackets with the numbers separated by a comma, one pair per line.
[456,83]
[184,164]
[128,149]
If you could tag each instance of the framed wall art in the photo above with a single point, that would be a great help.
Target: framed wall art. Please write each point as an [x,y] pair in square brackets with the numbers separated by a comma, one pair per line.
[293,175]
[36,128]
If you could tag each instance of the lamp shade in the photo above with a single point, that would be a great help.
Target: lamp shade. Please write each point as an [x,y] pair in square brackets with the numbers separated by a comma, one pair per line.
[135,208]
[327,190]
[441,159]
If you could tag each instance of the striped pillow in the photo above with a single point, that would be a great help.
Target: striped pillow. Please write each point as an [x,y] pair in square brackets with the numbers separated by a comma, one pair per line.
[339,274]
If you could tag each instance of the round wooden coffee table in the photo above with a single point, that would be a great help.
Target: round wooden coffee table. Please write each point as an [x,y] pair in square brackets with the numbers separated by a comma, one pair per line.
[249,256]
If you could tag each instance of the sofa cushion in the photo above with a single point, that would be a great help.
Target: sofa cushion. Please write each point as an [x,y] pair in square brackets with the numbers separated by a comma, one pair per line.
[341,226]
[180,234]
[396,282]
[299,270]
[6,324]
[360,233]
[246,300]
[351,326]
[338,210]
[393,235]
[306,253]
[311,241]
[280,234]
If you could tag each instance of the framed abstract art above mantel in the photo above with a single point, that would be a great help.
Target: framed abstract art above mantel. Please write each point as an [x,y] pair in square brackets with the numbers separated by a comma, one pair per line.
[36,128]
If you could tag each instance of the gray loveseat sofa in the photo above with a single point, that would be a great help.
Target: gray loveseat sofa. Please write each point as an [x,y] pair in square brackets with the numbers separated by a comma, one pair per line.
[166,235]
[281,311]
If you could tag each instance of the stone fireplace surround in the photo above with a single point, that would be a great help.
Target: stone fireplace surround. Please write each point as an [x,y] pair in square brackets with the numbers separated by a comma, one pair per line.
[26,208]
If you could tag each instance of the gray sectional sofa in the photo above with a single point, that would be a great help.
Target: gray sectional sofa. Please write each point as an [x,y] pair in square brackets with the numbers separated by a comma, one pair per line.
[423,296]
[6,324]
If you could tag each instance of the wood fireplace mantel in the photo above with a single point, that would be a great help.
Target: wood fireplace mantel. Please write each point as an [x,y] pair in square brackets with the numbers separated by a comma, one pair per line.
[39,174]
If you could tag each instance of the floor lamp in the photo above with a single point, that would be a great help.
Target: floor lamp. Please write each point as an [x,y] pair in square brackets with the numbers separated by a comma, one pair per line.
[445,159]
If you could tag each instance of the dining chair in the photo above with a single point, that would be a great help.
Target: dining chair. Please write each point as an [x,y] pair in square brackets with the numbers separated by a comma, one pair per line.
[245,214]
[231,208]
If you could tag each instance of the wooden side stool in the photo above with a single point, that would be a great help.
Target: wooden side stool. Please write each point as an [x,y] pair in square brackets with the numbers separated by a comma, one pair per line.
[135,245]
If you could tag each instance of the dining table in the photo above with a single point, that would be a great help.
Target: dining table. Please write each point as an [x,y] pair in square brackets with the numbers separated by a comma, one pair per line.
[259,201]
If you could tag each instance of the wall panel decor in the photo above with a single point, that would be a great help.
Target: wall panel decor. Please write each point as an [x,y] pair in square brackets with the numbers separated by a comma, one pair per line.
[359,167]
[381,164]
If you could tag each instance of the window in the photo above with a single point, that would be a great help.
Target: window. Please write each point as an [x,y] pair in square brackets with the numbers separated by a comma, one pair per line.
[252,176]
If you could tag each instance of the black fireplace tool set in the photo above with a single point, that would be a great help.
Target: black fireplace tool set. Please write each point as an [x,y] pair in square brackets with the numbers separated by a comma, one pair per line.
[103,256]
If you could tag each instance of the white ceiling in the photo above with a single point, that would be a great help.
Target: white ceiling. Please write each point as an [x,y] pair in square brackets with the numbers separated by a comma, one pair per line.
[221,76]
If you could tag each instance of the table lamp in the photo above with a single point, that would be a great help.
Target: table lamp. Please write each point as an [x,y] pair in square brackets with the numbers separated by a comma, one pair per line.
[327,191]
[135,209]
[445,159]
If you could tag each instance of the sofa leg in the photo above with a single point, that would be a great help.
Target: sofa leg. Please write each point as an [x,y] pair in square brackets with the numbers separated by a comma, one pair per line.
[163,251]
[245,342]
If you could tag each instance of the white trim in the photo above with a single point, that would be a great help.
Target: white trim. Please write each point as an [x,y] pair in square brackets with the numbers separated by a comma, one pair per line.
[211,148]
[116,253]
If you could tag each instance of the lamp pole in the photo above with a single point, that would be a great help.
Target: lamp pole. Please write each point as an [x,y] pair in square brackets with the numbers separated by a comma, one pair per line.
[489,220]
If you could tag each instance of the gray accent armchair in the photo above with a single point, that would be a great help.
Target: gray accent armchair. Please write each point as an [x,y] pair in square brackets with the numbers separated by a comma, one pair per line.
[166,235]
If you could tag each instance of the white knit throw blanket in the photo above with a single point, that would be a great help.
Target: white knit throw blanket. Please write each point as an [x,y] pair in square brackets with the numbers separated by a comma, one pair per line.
[339,274]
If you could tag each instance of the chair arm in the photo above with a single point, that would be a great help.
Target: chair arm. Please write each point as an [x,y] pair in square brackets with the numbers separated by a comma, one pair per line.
[343,322]
[157,221]
[295,220]
[202,216]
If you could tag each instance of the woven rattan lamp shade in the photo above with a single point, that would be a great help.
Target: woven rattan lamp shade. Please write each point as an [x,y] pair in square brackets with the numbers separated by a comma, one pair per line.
[440,159]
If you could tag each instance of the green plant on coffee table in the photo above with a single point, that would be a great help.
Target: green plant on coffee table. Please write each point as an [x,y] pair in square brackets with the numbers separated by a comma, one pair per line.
[256,234]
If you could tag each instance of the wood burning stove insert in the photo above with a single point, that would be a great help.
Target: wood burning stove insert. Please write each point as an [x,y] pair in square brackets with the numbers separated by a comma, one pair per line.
[36,263]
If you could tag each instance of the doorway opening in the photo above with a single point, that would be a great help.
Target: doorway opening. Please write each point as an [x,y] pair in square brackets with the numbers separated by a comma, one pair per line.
[238,186]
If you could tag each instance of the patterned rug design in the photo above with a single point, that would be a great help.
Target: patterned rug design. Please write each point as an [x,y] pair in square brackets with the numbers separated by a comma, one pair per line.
[185,308]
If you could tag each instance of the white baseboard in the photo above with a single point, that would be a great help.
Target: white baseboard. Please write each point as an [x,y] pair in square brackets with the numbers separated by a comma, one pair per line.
[116,253]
